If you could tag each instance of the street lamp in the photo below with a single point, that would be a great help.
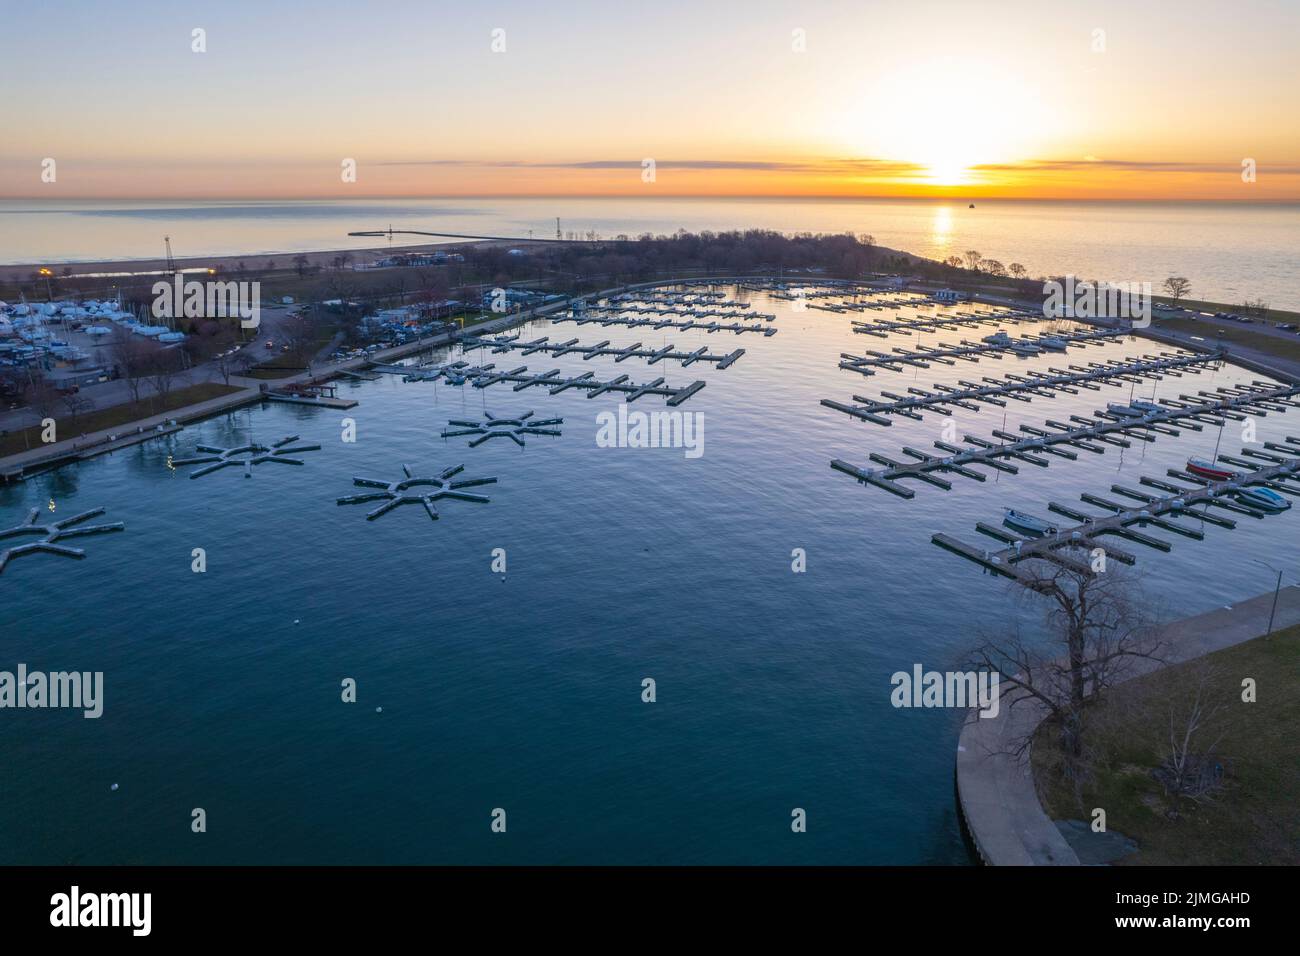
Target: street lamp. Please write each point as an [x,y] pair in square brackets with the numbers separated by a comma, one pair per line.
[1276,592]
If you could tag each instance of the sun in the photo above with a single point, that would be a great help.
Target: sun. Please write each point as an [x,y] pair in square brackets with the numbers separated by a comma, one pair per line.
[926,118]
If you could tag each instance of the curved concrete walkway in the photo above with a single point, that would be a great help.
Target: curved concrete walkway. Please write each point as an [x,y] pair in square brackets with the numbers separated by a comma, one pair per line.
[995,788]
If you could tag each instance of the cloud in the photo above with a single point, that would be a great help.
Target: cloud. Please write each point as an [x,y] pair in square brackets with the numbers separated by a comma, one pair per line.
[830,166]
[1126,165]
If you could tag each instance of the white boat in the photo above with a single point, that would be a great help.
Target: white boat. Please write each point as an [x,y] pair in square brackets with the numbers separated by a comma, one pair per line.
[1263,498]
[1053,342]
[1024,522]
[1021,347]
[997,338]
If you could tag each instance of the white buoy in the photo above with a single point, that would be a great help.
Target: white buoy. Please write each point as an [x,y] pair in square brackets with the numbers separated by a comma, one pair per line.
[379,710]
[295,620]
[113,787]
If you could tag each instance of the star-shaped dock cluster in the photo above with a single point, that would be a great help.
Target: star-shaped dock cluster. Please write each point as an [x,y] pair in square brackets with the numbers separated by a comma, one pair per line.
[51,534]
[399,492]
[513,428]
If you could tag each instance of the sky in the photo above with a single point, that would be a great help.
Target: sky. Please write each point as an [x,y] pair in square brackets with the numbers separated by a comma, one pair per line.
[1036,100]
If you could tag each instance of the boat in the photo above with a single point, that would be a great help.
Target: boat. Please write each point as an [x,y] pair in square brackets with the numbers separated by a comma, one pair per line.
[1128,411]
[1024,522]
[1145,406]
[1208,469]
[1021,347]
[999,337]
[1053,342]
[1263,498]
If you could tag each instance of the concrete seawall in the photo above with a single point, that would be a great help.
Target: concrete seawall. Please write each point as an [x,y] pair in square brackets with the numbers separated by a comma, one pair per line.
[995,787]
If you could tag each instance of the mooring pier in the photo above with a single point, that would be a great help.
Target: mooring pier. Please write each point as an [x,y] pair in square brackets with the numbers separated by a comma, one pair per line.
[737,327]
[508,343]
[1122,521]
[1020,388]
[1093,435]
[482,376]
[923,356]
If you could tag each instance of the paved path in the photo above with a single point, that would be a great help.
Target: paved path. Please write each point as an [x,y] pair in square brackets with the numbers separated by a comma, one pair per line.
[995,789]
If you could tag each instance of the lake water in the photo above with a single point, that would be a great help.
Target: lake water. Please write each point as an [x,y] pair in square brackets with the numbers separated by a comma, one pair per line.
[1230,252]
[523,691]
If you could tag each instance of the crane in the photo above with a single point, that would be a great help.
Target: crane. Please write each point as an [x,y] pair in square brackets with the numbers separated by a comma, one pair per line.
[171,263]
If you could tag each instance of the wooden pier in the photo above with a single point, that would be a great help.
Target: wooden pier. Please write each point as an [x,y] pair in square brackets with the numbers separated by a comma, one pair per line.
[1123,521]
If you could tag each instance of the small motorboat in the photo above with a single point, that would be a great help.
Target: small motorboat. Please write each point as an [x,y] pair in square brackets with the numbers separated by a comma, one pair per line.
[1021,347]
[1145,406]
[1053,342]
[1265,499]
[1128,411]
[1018,519]
[997,338]
[1208,469]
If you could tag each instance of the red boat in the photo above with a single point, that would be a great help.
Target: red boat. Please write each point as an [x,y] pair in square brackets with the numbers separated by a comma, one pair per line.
[1208,469]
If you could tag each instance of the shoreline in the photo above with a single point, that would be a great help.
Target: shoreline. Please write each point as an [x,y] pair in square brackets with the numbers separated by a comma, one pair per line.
[996,794]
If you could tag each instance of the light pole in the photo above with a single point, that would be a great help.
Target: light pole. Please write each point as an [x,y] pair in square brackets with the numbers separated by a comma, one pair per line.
[1276,592]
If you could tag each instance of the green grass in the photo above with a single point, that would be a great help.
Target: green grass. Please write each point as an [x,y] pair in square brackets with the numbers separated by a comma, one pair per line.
[93,421]
[1255,819]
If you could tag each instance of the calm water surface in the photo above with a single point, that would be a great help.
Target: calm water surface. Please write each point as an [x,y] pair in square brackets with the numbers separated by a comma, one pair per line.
[1230,252]
[522,690]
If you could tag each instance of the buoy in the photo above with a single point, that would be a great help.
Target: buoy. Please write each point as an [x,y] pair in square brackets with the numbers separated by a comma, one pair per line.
[113,787]
[295,620]
[379,710]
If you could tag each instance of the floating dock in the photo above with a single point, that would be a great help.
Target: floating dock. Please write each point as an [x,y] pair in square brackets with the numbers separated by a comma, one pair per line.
[482,376]
[737,327]
[51,534]
[923,356]
[1061,440]
[1122,521]
[508,343]
[1020,388]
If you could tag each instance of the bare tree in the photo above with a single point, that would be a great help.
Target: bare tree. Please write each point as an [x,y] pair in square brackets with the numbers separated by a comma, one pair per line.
[131,355]
[1191,770]
[300,263]
[954,261]
[993,267]
[972,258]
[1017,270]
[1176,287]
[77,405]
[163,368]
[1098,625]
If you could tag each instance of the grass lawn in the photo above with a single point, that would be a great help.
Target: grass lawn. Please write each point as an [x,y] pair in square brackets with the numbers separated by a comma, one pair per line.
[93,421]
[1254,819]
[1287,348]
